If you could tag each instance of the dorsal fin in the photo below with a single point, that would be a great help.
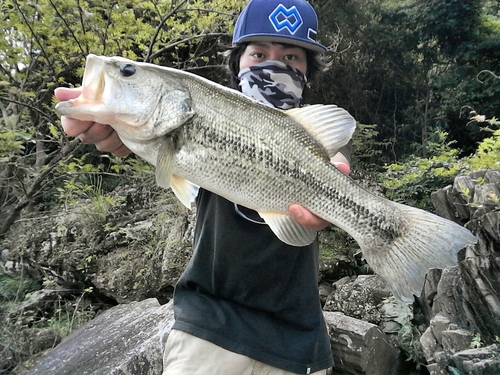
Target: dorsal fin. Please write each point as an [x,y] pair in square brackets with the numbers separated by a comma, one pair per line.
[330,125]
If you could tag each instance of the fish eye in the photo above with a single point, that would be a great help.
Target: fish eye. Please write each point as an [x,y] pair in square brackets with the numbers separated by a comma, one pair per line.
[127,70]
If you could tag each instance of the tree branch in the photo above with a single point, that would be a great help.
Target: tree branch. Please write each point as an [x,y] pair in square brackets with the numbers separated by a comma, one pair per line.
[14,214]
[33,34]
[166,48]
[68,27]
[158,29]
[35,109]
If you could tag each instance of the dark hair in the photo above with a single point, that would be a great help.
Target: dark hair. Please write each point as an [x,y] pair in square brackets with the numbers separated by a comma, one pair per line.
[233,56]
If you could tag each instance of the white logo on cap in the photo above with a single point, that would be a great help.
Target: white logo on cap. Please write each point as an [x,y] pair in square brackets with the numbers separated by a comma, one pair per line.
[284,18]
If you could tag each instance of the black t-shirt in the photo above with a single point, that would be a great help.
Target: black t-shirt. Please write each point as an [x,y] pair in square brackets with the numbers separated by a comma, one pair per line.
[250,293]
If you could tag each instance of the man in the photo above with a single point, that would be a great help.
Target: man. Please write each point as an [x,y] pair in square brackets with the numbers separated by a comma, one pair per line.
[248,303]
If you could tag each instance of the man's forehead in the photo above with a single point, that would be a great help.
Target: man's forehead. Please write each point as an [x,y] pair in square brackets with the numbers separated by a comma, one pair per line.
[279,44]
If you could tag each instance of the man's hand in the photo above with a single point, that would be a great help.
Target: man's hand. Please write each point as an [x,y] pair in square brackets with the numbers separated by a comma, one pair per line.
[103,136]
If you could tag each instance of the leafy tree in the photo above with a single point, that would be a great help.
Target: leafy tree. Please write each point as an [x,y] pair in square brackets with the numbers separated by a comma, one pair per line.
[411,67]
[462,38]
[44,45]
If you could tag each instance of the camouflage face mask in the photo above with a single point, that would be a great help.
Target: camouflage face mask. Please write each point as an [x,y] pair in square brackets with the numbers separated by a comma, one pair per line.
[273,83]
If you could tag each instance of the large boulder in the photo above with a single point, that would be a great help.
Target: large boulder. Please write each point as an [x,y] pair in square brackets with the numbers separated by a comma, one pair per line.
[126,339]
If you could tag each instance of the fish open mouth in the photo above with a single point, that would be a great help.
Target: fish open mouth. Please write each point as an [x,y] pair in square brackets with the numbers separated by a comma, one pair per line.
[93,82]
[98,91]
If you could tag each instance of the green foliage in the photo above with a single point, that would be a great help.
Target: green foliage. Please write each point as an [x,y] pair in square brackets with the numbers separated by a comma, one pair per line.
[412,181]
[84,187]
[415,179]
[44,45]
[476,342]
[487,154]
[409,340]
[15,289]
[68,315]
[335,242]
[62,316]
[12,143]
[75,189]
[367,149]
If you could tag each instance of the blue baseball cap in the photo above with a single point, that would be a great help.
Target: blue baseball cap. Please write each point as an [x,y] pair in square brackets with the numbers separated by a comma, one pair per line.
[287,21]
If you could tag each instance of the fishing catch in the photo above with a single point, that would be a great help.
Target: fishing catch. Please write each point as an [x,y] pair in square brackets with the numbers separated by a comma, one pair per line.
[199,133]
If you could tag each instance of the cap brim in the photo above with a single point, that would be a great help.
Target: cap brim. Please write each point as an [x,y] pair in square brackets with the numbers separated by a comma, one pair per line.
[312,46]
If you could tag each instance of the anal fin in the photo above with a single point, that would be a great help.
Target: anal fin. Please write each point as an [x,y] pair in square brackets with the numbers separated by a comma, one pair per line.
[288,230]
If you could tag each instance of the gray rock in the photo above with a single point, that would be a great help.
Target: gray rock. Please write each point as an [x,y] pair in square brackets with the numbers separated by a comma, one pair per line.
[359,299]
[455,340]
[126,339]
[429,346]
[464,310]
[435,369]
[40,339]
[360,347]
[36,302]
[481,361]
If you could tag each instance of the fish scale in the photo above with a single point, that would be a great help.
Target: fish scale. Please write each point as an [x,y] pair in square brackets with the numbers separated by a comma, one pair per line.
[199,133]
[351,209]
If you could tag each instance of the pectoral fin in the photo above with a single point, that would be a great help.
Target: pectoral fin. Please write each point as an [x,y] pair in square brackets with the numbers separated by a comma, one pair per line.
[288,230]
[330,125]
[165,162]
[183,189]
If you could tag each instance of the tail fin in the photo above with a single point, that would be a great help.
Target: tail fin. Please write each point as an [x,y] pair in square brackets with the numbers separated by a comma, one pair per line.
[429,241]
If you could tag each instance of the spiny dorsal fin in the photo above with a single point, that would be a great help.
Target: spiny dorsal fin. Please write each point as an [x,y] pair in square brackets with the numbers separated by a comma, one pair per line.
[330,125]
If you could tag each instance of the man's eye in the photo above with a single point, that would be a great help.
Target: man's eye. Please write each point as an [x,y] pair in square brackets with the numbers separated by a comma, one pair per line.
[289,57]
[127,70]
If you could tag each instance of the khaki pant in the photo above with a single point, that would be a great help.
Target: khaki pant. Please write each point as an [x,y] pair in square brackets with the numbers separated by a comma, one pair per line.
[186,354]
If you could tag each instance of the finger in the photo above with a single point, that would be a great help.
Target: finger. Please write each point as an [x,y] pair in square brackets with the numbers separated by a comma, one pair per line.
[341,162]
[75,128]
[103,136]
[307,218]
[97,133]
[112,143]
[66,93]
[122,151]
[343,167]
[89,131]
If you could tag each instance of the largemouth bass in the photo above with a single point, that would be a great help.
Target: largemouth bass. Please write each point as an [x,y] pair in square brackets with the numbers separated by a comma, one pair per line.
[199,133]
